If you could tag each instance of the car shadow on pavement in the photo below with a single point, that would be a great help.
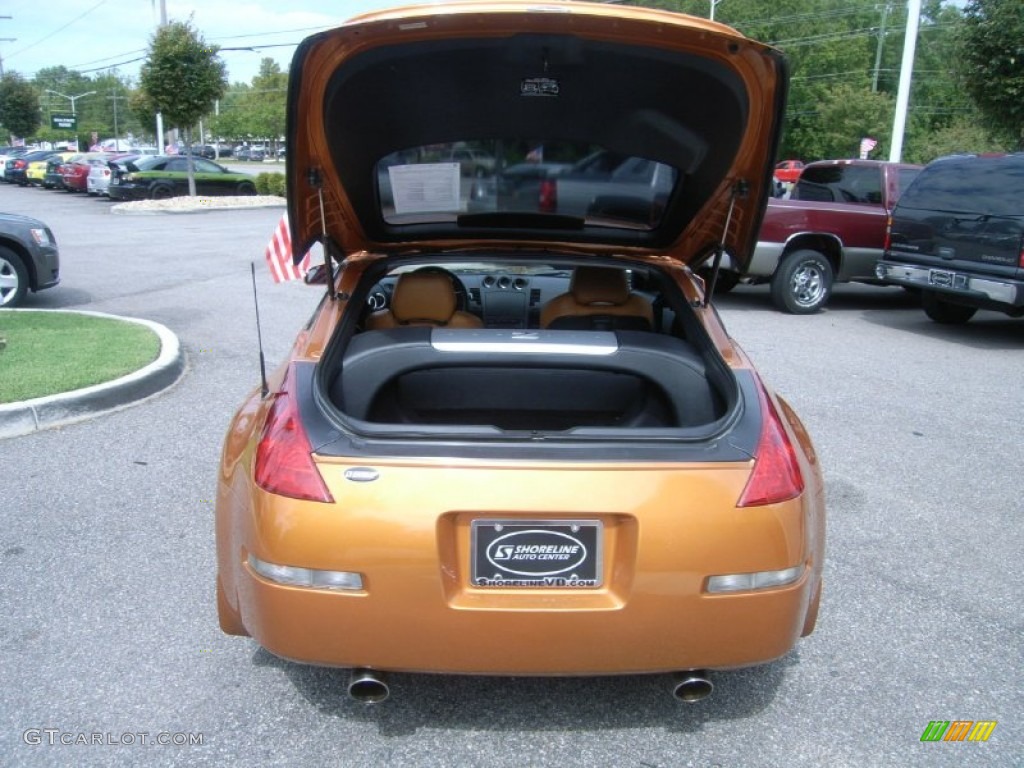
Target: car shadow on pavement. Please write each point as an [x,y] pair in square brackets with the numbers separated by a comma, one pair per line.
[846,297]
[536,703]
[986,330]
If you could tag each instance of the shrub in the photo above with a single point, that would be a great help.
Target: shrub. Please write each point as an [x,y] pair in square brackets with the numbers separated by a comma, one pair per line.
[269,183]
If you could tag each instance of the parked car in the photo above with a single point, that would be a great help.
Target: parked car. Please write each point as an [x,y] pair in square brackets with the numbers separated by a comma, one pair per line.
[788,171]
[35,171]
[11,154]
[75,171]
[242,153]
[165,176]
[515,187]
[207,151]
[521,443]
[611,184]
[17,167]
[97,181]
[957,235]
[831,229]
[472,162]
[29,258]
[53,178]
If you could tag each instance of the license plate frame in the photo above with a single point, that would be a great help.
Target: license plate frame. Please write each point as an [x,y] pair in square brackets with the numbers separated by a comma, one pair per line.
[536,554]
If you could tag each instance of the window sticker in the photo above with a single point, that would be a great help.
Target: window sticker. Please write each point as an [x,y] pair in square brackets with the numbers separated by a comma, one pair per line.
[425,187]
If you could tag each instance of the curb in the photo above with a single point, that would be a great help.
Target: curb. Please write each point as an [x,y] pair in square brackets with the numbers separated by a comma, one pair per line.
[198,206]
[40,413]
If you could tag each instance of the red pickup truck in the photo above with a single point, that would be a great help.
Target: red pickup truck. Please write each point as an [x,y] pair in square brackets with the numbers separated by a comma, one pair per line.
[831,229]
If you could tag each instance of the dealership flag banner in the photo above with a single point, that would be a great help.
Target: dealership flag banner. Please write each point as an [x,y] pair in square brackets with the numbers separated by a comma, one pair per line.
[279,255]
[866,145]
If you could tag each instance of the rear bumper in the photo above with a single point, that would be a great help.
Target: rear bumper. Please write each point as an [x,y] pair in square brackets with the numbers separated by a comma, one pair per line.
[418,611]
[652,633]
[963,287]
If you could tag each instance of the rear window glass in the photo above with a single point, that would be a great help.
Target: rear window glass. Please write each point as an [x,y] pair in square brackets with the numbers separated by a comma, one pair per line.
[442,182]
[990,185]
[839,184]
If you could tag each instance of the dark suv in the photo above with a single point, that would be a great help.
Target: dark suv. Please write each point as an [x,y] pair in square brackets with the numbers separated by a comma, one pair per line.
[957,233]
[28,258]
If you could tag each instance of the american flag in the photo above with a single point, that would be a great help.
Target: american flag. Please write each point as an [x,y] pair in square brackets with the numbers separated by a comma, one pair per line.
[866,145]
[279,255]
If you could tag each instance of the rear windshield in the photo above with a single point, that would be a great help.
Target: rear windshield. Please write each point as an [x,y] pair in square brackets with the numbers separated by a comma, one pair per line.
[839,184]
[989,185]
[442,182]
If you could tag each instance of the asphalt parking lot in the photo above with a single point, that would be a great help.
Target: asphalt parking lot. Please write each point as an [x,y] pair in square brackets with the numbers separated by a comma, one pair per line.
[109,640]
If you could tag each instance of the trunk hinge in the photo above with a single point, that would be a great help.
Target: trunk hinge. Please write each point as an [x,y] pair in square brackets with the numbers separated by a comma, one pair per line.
[739,190]
[313,177]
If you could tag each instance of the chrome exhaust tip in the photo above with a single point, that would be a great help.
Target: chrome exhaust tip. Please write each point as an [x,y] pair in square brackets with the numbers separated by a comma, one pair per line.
[692,686]
[367,687]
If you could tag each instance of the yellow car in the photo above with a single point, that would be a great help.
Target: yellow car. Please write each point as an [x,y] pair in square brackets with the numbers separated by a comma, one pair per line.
[518,440]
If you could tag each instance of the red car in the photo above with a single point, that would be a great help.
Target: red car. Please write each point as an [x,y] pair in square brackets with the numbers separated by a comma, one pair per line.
[75,172]
[788,171]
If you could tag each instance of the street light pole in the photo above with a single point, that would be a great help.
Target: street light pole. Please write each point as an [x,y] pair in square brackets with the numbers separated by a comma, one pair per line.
[72,99]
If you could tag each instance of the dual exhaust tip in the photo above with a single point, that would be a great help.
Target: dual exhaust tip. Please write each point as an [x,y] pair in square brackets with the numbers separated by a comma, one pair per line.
[369,687]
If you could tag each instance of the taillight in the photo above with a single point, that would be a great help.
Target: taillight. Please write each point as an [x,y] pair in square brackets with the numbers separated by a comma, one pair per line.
[548,202]
[776,476]
[887,242]
[284,460]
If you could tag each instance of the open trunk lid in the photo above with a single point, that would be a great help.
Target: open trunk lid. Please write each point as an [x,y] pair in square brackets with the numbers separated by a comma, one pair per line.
[403,128]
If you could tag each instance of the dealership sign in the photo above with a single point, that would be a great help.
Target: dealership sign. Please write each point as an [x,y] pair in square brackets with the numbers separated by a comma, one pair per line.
[63,122]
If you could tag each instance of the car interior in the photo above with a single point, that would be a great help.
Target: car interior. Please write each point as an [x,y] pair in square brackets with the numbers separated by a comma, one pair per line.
[526,346]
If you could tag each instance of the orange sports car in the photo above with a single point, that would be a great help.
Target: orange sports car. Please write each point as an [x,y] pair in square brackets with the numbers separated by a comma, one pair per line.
[515,437]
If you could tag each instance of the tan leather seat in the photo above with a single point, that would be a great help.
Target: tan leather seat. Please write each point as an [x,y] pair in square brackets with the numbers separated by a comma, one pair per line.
[598,297]
[423,298]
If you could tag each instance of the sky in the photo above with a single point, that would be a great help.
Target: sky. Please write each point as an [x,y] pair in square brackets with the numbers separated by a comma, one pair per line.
[93,36]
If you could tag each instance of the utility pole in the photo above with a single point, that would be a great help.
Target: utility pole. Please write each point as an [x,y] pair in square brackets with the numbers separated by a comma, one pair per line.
[5,40]
[906,74]
[159,117]
[878,49]
[117,134]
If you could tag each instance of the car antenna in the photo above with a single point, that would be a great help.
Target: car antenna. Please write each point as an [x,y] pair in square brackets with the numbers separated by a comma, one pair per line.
[313,177]
[738,190]
[264,389]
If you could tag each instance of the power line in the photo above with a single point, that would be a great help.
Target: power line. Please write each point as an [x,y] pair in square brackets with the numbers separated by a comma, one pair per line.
[59,29]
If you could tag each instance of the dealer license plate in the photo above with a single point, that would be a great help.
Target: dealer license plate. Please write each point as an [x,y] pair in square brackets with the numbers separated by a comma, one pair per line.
[562,554]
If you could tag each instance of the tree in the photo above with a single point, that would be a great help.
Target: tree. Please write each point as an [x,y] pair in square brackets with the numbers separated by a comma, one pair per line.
[992,63]
[843,116]
[182,77]
[854,49]
[19,106]
[270,92]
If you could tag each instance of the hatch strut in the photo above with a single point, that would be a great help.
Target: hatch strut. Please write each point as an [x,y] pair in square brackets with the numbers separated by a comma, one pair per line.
[739,190]
[313,176]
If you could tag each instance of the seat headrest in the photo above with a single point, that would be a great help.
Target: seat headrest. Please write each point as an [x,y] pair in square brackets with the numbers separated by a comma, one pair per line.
[599,285]
[423,296]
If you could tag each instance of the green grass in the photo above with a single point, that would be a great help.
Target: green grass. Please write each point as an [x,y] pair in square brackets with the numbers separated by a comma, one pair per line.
[50,352]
